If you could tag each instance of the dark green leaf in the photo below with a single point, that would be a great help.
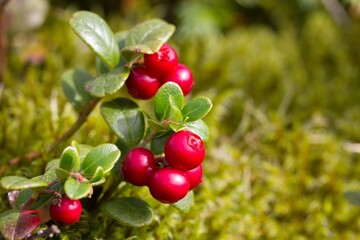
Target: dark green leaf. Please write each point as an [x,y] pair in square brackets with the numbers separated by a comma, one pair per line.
[23,196]
[148,37]
[125,119]
[17,183]
[196,108]
[104,155]
[353,197]
[200,128]
[42,201]
[186,203]
[73,83]
[129,211]
[77,190]
[168,98]
[108,83]
[95,32]
[70,160]
[158,143]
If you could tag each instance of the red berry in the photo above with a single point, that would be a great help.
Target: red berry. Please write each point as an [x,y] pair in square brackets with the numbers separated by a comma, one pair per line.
[161,61]
[181,75]
[142,83]
[138,165]
[67,212]
[184,150]
[195,176]
[168,185]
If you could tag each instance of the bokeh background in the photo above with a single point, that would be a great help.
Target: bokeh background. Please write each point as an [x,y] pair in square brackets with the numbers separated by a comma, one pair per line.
[284,77]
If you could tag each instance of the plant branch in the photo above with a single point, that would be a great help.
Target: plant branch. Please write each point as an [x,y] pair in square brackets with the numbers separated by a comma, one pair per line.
[73,129]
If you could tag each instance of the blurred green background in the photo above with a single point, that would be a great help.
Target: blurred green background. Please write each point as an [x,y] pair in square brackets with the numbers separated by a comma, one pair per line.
[284,77]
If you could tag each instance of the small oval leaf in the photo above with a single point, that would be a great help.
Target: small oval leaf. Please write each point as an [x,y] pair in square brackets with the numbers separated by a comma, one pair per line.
[95,32]
[162,102]
[77,190]
[129,211]
[148,37]
[186,203]
[196,108]
[104,155]
[69,159]
[17,183]
[125,119]
[98,175]
[82,149]
[200,128]
[108,83]
[73,83]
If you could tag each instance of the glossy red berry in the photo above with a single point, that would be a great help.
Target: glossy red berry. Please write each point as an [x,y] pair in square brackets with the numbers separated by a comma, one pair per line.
[138,165]
[163,60]
[181,75]
[142,83]
[67,212]
[168,185]
[195,176]
[184,150]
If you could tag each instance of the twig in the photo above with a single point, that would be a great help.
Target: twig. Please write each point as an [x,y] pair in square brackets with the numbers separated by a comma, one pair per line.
[79,122]
[337,11]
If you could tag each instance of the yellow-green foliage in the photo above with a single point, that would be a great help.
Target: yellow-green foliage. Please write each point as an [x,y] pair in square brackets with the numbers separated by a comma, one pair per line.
[286,101]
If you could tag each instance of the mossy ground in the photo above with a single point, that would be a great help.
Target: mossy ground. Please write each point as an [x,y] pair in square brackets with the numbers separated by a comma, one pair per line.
[286,105]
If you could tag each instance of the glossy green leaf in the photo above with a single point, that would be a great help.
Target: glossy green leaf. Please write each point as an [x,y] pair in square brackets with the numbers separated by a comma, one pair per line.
[158,143]
[186,203]
[168,98]
[129,211]
[95,32]
[23,196]
[196,108]
[108,83]
[70,160]
[17,183]
[200,128]
[82,149]
[104,155]
[125,119]
[77,190]
[148,37]
[73,83]
[353,197]
[17,225]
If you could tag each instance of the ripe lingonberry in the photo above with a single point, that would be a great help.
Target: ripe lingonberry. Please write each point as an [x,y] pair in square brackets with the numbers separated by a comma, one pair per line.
[195,176]
[184,150]
[161,61]
[181,75]
[168,185]
[142,83]
[67,212]
[138,165]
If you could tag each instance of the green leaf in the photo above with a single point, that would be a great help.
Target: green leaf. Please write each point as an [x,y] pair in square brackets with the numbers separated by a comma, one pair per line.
[200,128]
[52,164]
[18,225]
[62,174]
[108,83]
[353,197]
[73,83]
[95,32]
[196,108]
[82,149]
[168,98]
[129,211]
[158,143]
[104,155]
[23,196]
[125,119]
[186,203]
[148,37]
[50,171]
[77,190]
[17,183]
[98,175]
[70,160]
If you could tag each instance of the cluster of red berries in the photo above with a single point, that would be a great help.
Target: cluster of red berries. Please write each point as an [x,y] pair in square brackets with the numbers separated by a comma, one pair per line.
[171,177]
[158,68]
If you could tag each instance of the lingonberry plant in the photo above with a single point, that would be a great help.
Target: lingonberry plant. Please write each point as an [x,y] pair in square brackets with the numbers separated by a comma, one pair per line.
[162,149]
